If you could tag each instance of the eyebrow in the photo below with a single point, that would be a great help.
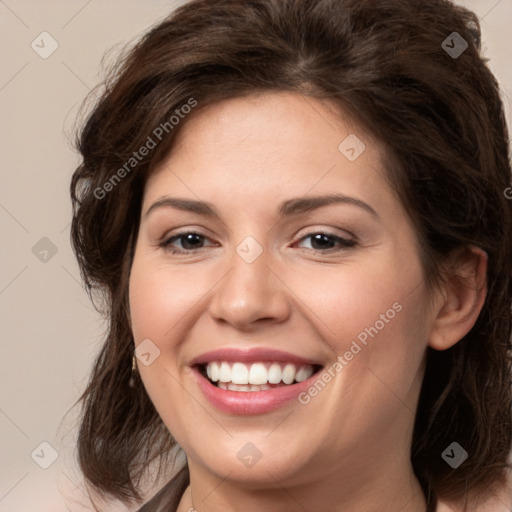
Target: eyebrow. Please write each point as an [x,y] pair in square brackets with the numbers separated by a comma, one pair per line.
[294,206]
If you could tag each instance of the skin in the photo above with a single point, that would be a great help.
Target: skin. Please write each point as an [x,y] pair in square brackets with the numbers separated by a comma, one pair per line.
[349,447]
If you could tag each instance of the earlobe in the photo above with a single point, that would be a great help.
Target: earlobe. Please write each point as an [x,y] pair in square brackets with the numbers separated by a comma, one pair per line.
[461,299]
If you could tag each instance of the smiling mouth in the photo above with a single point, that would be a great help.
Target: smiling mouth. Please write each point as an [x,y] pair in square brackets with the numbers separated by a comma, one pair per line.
[257,376]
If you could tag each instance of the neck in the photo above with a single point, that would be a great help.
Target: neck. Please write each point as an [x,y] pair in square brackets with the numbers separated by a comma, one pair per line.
[389,491]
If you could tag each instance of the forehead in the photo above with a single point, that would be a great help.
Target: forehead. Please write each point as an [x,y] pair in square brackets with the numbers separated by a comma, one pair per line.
[273,145]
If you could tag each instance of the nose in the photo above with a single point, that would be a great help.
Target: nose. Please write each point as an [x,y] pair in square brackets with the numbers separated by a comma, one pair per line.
[250,294]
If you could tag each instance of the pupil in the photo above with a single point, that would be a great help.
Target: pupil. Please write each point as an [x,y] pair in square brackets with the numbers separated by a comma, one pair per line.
[318,238]
[190,238]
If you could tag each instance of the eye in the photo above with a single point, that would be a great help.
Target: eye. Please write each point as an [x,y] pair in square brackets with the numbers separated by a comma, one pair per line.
[190,242]
[326,242]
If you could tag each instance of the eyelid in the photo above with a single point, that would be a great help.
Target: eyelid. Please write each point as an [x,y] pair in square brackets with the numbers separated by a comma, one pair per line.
[344,243]
[345,235]
[172,233]
[166,239]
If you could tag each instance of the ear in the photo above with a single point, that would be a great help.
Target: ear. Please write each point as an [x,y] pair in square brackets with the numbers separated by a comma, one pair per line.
[460,299]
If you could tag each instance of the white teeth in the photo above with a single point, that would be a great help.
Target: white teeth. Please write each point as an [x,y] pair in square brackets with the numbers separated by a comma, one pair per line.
[289,373]
[258,374]
[243,388]
[225,372]
[304,373]
[240,374]
[214,370]
[274,374]
[244,377]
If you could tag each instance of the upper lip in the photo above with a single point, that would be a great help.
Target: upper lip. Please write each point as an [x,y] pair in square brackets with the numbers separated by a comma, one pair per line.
[251,356]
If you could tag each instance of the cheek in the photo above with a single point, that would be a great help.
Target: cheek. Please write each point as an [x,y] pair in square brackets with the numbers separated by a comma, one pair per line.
[372,314]
[161,305]
[159,300]
[348,299]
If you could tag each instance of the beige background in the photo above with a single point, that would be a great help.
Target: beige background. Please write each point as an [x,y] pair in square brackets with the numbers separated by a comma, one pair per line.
[50,331]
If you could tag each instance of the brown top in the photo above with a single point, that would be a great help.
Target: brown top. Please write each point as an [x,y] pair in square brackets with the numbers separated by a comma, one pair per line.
[168,498]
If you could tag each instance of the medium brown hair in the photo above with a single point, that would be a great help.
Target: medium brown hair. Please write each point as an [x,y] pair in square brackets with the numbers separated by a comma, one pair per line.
[442,122]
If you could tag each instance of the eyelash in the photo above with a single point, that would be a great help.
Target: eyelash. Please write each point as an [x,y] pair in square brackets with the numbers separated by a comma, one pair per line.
[344,242]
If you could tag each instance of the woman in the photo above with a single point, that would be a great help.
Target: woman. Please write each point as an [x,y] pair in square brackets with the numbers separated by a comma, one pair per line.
[294,213]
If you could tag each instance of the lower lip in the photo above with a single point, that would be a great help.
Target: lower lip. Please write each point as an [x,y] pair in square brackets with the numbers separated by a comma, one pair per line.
[251,402]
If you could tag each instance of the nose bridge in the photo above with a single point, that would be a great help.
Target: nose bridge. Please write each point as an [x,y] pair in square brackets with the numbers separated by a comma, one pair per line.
[249,291]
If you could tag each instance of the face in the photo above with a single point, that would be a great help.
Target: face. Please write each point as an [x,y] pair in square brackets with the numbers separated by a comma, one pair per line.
[283,335]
